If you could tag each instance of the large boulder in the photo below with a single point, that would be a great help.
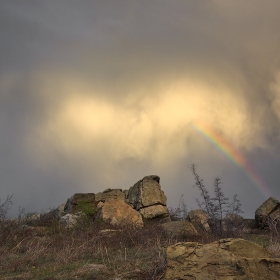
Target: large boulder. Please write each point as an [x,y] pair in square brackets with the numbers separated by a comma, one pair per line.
[199,219]
[266,209]
[236,259]
[154,211]
[147,193]
[179,228]
[117,213]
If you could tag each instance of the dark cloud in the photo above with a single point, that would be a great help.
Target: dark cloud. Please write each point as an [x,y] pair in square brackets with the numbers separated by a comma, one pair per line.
[100,94]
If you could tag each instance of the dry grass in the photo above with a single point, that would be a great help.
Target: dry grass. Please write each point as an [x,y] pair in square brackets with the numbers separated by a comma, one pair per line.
[42,249]
[47,251]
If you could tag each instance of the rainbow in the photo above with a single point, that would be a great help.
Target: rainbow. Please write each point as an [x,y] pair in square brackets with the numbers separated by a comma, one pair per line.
[233,154]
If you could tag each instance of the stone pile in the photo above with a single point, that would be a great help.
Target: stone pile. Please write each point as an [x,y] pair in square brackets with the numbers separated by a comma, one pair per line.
[143,201]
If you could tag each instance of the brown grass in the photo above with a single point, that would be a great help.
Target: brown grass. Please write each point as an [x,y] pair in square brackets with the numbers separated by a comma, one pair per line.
[47,251]
[43,249]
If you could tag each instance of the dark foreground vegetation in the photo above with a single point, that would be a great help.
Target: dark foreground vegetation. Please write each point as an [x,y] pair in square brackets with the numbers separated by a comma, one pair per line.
[44,249]
[91,250]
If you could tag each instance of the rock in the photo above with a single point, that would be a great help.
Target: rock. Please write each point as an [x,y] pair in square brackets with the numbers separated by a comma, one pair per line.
[125,194]
[93,266]
[179,228]
[117,213]
[199,219]
[69,220]
[99,205]
[146,192]
[154,211]
[84,202]
[110,193]
[236,259]
[165,220]
[59,211]
[248,225]
[232,222]
[68,205]
[109,231]
[269,206]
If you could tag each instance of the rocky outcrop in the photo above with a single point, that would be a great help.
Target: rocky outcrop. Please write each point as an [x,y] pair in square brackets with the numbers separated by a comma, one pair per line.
[236,259]
[199,219]
[265,210]
[146,194]
[179,228]
[118,213]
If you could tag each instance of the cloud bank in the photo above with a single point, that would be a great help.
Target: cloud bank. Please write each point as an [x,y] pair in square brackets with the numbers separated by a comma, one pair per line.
[98,95]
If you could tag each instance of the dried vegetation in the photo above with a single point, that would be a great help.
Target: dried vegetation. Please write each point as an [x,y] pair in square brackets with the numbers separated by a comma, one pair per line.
[43,249]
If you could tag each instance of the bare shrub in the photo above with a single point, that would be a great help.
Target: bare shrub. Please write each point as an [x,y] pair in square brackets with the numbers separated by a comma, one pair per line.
[125,252]
[273,223]
[217,206]
[180,212]
[5,207]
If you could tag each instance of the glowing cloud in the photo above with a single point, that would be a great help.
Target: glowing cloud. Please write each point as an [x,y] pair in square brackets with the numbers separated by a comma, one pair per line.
[233,154]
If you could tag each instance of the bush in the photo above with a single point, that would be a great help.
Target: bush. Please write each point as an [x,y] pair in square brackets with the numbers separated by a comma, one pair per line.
[180,212]
[273,224]
[87,208]
[5,207]
[218,206]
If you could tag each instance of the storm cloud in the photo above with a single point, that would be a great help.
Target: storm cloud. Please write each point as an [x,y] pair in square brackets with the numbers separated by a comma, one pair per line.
[96,95]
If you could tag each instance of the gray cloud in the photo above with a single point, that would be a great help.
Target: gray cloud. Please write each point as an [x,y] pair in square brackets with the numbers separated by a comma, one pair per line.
[100,94]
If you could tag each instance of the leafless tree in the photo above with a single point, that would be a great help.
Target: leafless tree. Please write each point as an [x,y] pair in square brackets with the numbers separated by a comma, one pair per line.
[217,206]
[5,207]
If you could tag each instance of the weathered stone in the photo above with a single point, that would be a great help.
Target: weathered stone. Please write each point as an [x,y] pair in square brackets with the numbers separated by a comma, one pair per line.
[68,205]
[269,206]
[232,222]
[146,192]
[199,219]
[248,225]
[179,228]
[154,211]
[69,220]
[110,193]
[93,266]
[165,220]
[232,259]
[79,201]
[117,213]
[125,194]
[99,205]
[59,211]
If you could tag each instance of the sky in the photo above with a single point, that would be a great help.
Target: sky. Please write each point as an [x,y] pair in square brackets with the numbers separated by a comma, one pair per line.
[99,94]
